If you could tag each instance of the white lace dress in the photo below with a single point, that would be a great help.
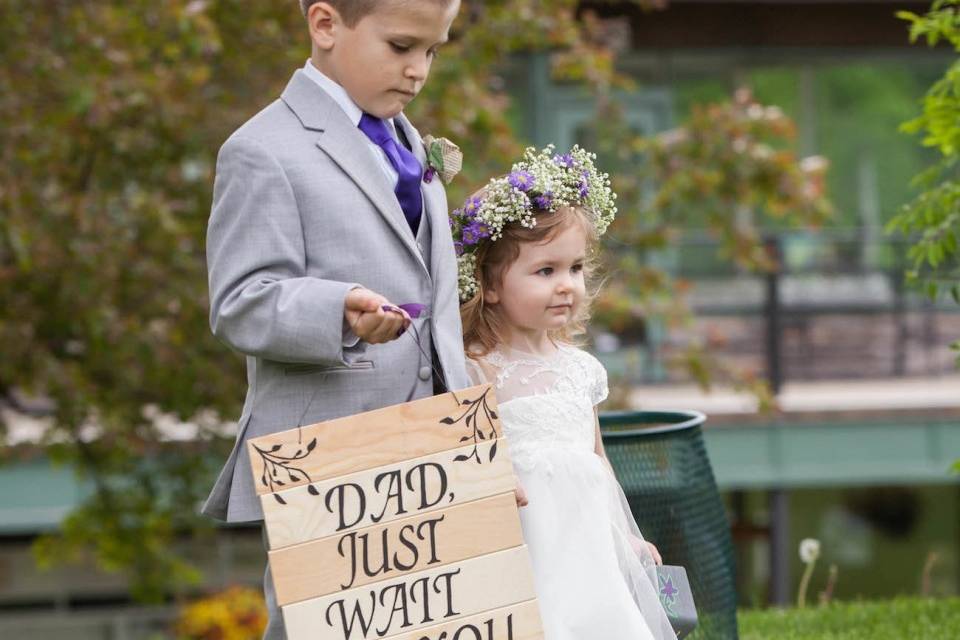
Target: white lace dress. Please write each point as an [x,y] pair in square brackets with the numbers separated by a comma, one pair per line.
[593,574]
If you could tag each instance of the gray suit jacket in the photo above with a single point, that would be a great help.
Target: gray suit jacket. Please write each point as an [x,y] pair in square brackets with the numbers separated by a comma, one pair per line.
[301,214]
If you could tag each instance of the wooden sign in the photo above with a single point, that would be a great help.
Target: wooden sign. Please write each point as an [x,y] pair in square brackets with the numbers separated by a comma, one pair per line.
[398,523]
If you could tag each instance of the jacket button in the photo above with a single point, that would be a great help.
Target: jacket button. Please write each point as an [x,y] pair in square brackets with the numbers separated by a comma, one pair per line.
[424,373]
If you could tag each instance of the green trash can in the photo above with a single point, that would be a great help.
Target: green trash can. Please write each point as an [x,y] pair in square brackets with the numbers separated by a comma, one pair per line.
[661,462]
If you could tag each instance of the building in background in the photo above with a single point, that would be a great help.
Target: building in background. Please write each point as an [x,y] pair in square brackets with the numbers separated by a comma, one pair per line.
[859,459]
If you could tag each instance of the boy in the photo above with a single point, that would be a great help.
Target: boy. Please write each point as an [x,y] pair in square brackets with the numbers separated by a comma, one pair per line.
[320,217]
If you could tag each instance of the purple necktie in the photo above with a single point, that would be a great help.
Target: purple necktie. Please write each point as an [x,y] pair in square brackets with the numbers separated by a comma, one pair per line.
[409,171]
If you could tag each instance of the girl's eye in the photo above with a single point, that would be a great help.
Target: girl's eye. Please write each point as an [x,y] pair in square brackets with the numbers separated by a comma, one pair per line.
[433,52]
[399,48]
[577,268]
[545,271]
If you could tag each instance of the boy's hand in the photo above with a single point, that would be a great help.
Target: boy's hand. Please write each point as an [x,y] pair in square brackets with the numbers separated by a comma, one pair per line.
[363,311]
[521,495]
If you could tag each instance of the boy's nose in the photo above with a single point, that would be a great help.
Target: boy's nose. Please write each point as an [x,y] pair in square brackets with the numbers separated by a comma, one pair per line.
[418,70]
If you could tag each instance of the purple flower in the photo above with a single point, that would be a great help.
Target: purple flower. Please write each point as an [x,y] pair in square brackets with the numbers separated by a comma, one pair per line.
[452,218]
[471,207]
[584,188]
[566,160]
[475,232]
[522,180]
[544,201]
[458,247]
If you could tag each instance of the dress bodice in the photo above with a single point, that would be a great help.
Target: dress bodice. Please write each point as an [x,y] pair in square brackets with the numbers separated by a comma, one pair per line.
[608,587]
[545,402]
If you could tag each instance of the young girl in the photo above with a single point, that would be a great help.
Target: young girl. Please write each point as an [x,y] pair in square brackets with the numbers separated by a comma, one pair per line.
[525,244]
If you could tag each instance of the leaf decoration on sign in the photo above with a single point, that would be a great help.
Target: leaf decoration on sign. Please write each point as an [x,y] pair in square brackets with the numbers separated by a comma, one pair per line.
[478,418]
[281,470]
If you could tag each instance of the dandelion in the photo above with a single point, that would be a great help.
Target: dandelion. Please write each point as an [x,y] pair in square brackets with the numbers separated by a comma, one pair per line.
[809,552]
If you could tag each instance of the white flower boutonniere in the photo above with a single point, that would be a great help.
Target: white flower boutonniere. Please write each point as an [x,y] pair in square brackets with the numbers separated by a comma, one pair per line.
[443,158]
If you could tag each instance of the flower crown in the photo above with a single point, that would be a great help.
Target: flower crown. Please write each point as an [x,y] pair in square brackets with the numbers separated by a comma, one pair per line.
[542,182]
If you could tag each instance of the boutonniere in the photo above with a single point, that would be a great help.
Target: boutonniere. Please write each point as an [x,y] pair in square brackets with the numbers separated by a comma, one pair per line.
[443,158]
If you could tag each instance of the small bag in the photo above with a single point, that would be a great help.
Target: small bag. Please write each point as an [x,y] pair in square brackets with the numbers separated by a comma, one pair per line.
[677,599]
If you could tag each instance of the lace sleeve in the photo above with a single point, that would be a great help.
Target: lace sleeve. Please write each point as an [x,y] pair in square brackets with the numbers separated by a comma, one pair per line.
[599,389]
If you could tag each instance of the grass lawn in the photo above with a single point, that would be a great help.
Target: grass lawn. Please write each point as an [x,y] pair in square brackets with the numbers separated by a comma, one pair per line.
[899,619]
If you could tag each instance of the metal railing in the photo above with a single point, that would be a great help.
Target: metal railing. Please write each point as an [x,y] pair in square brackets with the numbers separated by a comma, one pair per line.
[834,285]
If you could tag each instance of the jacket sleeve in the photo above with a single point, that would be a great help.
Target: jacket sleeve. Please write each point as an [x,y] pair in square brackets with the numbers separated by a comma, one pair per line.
[262,302]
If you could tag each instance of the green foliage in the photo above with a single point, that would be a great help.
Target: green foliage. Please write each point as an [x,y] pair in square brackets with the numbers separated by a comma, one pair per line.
[113,113]
[859,105]
[934,216]
[731,168]
[893,620]
[132,521]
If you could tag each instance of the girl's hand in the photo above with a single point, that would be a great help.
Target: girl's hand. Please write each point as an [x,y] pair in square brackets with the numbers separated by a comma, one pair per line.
[639,546]
[521,495]
[655,553]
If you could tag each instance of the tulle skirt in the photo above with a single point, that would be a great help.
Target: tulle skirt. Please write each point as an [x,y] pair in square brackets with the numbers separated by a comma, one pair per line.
[594,576]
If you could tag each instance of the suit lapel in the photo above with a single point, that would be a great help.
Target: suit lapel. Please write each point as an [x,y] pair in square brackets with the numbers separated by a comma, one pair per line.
[434,202]
[346,145]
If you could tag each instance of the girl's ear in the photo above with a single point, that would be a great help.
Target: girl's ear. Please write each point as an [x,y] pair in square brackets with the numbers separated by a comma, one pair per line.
[324,21]
[491,296]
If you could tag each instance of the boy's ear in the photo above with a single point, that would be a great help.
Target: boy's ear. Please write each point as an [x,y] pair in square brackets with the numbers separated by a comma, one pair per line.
[324,21]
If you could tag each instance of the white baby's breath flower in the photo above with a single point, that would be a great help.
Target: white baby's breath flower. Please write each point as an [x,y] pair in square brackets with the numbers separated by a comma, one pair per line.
[466,280]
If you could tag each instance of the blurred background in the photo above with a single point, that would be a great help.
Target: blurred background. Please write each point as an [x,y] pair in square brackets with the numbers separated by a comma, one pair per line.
[785,260]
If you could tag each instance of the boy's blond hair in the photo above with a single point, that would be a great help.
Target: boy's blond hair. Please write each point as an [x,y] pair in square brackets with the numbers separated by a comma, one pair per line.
[484,326]
[352,11]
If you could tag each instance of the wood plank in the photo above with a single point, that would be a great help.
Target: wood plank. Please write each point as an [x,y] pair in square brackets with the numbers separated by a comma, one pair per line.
[415,601]
[305,513]
[373,439]
[517,622]
[405,546]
